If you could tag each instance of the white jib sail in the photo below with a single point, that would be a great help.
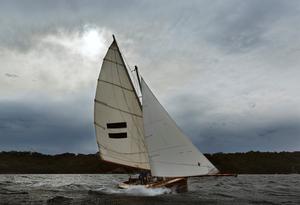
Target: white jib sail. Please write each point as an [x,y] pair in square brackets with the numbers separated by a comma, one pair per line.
[118,115]
[171,154]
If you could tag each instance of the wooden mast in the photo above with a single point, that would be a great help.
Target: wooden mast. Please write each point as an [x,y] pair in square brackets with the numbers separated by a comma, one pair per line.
[138,76]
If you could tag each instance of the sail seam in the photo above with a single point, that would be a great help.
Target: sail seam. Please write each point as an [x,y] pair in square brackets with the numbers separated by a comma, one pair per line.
[115,49]
[166,148]
[116,85]
[127,153]
[126,165]
[99,125]
[111,61]
[125,160]
[130,113]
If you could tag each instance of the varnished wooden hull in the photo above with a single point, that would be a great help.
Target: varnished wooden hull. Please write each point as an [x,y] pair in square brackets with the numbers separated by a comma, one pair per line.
[175,184]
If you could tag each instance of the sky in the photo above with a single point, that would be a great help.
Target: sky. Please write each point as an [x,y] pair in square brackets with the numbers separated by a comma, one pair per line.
[227,71]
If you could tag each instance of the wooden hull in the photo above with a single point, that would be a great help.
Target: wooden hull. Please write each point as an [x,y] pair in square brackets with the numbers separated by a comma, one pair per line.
[175,184]
[178,184]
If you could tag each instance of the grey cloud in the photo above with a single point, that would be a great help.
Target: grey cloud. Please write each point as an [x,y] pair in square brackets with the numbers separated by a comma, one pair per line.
[219,135]
[240,25]
[233,25]
[203,59]
[11,75]
[222,132]
[282,138]
[43,127]
[24,23]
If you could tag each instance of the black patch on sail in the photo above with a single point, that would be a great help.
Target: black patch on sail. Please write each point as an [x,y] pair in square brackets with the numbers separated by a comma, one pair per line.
[117,135]
[116,125]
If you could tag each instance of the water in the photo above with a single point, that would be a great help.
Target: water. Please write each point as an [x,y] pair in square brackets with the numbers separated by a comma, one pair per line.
[101,189]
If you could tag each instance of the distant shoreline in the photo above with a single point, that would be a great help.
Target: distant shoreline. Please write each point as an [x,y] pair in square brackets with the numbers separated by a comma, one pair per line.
[68,163]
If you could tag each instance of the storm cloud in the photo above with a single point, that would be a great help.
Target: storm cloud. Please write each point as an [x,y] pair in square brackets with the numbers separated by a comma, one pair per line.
[227,71]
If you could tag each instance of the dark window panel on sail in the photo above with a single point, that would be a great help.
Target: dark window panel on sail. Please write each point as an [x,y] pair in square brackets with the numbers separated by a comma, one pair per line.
[116,125]
[120,135]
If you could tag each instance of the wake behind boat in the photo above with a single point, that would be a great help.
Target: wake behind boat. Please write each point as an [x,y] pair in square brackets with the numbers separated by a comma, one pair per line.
[141,134]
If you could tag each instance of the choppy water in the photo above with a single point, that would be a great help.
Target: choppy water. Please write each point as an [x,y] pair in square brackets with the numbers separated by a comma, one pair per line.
[101,189]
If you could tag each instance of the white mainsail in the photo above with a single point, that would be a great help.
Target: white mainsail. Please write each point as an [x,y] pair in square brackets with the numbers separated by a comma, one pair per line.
[118,115]
[171,154]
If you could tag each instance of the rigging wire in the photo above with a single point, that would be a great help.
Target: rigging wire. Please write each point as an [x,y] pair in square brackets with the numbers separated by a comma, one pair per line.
[133,77]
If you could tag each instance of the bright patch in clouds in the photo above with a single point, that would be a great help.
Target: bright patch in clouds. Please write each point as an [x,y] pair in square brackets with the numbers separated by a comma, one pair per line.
[58,63]
[88,43]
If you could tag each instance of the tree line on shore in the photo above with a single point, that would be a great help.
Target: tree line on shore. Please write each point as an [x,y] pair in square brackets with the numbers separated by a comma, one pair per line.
[68,163]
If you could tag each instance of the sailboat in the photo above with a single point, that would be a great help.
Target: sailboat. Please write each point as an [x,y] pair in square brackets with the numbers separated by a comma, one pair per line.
[140,133]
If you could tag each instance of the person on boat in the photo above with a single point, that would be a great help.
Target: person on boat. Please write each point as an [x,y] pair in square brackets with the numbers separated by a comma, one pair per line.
[143,177]
[148,177]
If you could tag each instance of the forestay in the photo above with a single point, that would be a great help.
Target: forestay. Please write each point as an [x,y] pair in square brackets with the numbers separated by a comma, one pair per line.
[171,154]
[118,115]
